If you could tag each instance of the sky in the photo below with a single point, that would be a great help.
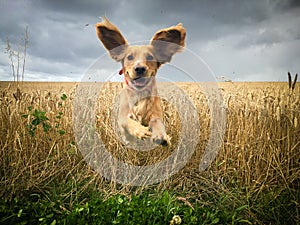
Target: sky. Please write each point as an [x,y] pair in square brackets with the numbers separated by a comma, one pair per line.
[239,40]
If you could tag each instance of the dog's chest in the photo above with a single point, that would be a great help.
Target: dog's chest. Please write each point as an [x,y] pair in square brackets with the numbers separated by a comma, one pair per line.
[142,110]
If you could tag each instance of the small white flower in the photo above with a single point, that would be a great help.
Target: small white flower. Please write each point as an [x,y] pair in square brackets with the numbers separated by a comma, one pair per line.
[175,220]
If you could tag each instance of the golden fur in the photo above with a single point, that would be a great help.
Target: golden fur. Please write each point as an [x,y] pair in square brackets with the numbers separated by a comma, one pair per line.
[140,113]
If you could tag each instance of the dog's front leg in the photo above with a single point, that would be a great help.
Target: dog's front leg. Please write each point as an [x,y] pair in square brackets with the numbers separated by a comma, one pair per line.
[137,130]
[159,135]
[156,125]
[130,128]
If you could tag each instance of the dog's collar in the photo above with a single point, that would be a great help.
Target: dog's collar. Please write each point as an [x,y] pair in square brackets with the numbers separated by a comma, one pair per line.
[126,81]
[121,71]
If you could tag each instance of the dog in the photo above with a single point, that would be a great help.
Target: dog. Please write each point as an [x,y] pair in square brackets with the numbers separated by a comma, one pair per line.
[140,112]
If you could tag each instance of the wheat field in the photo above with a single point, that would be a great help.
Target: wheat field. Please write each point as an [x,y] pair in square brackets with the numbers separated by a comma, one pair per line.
[260,151]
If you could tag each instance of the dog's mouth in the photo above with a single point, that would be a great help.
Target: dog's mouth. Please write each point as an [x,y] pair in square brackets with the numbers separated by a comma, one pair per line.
[140,82]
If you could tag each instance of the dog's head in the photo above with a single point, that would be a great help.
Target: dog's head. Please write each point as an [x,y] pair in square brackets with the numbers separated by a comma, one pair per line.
[140,63]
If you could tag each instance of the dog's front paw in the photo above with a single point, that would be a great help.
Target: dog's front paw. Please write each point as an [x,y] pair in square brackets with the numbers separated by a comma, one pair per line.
[141,132]
[138,130]
[161,139]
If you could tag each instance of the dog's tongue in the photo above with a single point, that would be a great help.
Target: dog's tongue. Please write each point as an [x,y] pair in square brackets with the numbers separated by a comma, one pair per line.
[139,82]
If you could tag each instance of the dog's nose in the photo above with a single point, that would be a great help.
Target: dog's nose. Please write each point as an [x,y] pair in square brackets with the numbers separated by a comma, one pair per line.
[140,70]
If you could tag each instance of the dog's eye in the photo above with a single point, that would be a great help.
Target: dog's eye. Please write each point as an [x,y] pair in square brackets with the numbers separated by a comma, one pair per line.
[130,57]
[149,57]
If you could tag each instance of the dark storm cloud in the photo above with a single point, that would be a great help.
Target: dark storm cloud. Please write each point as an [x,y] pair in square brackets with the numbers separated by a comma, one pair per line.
[240,38]
[59,40]
[203,19]
[77,7]
[286,5]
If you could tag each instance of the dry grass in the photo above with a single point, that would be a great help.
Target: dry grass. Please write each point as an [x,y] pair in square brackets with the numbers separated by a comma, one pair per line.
[260,149]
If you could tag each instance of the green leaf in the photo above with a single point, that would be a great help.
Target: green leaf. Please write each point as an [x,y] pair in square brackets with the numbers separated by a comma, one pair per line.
[25,115]
[241,208]
[166,197]
[53,222]
[35,122]
[46,127]
[244,221]
[120,199]
[20,213]
[41,115]
[50,215]
[36,113]
[64,97]
[215,221]
[61,132]
[29,108]
[31,133]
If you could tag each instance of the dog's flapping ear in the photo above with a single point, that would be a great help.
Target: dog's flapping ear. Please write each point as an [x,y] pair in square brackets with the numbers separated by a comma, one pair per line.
[112,39]
[167,42]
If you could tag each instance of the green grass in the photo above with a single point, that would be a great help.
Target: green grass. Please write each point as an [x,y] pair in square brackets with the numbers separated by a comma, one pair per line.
[74,203]
[146,208]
